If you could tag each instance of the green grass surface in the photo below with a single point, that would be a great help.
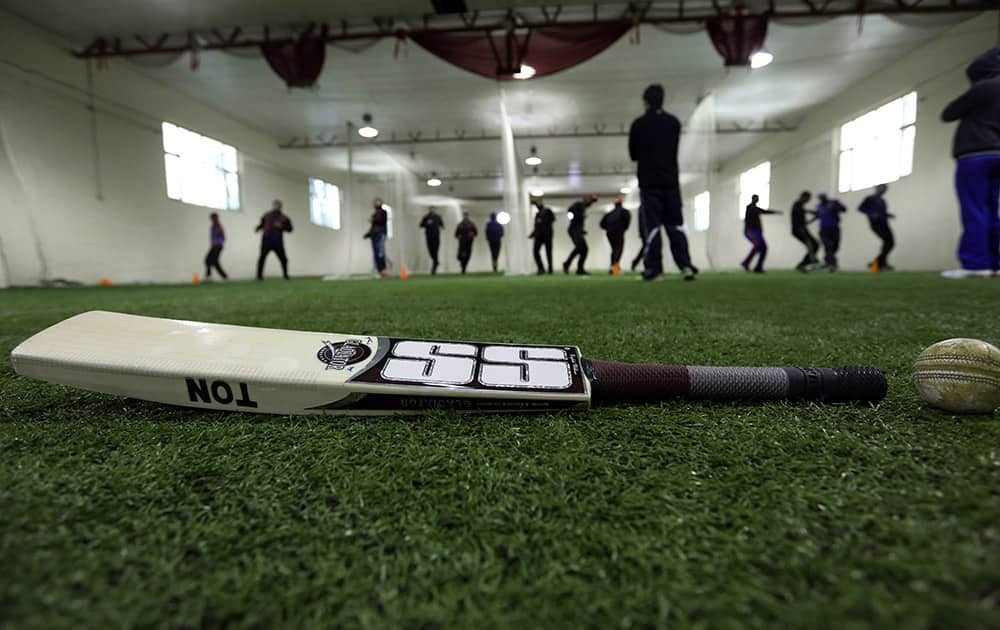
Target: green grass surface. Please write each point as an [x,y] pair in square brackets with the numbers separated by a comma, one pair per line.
[116,512]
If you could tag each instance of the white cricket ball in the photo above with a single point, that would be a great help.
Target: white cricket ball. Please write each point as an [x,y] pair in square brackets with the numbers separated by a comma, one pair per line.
[959,375]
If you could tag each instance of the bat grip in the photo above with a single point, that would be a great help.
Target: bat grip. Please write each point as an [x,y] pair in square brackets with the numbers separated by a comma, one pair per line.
[627,382]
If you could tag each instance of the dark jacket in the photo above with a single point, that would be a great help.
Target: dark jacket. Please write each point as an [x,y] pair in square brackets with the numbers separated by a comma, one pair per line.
[652,142]
[875,207]
[978,108]
[752,219]
[433,224]
[579,211]
[799,212]
[616,221]
[466,231]
[494,231]
[544,219]
[274,224]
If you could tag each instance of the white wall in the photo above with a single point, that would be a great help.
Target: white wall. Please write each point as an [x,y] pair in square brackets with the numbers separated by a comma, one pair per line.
[927,225]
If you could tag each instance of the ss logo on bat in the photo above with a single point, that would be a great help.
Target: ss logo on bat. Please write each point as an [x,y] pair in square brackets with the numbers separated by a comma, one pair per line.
[490,366]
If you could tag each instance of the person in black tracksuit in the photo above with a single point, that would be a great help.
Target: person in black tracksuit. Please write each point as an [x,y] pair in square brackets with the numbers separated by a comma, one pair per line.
[753,230]
[614,224]
[801,232]
[652,142]
[878,218]
[465,232]
[494,235]
[542,234]
[273,224]
[577,233]
[641,224]
[828,212]
[432,226]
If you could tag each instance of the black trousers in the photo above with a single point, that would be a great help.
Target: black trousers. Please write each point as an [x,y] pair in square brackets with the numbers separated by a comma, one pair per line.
[212,262]
[831,243]
[579,249]
[266,247]
[812,246]
[433,245]
[546,242]
[662,207]
[464,253]
[617,242]
[882,230]
[495,252]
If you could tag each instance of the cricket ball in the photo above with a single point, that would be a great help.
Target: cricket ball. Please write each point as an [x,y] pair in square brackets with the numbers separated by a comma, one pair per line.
[959,375]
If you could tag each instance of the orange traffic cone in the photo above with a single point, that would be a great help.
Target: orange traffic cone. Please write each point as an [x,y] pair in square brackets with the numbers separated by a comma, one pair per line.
[105,282]
[403,273]
[195,279]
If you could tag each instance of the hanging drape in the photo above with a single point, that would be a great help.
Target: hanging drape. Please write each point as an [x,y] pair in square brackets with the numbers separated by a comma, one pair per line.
[298,62]
[738,37]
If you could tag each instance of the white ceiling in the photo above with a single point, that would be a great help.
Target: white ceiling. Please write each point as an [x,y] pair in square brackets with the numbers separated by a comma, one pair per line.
[416,92]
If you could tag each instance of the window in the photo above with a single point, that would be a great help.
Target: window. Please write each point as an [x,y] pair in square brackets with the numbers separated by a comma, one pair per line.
[388,220]
[200,171]
[756,181]
[324,204]
[877,148]
[702,211]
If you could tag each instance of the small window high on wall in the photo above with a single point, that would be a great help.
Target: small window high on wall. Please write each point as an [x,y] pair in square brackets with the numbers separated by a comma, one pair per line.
[324,203]
[200,170]
[877,148]
[756,181]
[702,211]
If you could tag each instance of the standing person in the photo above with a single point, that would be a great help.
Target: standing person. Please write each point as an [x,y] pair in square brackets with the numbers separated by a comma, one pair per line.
[217,237]
[542,234]
[753,230]
[828,211]
[976,148]
[377,232]
[577,233]
[432,225]
[643,232]
[494,234]
[652,143]
[801,232]
[878,218]
[273,224]
[465,232]
[614,224]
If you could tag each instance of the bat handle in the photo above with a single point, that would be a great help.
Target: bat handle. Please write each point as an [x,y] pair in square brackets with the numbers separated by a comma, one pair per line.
[627,382]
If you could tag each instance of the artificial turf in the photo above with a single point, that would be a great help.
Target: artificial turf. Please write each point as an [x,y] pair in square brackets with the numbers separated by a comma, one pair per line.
[116,512]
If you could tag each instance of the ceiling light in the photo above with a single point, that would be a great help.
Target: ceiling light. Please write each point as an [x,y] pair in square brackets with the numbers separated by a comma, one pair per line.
[626,190]
[538,192]
[533,159]
[434,182]
[367,131]
[761,58]
[503,218]
[526,72]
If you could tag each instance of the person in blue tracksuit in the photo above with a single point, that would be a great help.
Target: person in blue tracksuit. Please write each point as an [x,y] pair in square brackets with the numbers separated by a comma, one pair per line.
[494,234]
[976,149]
[828,211]
[878,218]
[754,231]
[378,232]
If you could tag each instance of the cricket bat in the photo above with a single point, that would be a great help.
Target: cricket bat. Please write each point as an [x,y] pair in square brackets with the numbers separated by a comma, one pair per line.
[262,370]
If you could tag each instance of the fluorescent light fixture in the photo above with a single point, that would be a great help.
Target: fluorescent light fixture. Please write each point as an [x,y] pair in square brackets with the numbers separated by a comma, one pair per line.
[368,131]
[760,59]
[526,72]
[538,192]
[570,215]
[533,159]
[433,182]
[503,218]
[626,190]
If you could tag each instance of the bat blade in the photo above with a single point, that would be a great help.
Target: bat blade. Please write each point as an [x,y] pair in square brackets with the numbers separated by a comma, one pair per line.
[261,370]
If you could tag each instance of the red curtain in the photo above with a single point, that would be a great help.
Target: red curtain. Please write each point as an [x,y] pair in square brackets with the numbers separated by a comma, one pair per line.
[499,55]
[298,62]
[737,38]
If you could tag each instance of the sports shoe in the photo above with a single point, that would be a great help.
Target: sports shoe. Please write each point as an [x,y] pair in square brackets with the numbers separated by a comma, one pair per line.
[648,274]
[746,266]
[566,267]
[689,273]
[955,274]
[582,272]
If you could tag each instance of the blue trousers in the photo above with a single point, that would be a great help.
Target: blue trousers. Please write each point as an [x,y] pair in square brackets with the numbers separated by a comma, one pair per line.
[977,181]
[378,252]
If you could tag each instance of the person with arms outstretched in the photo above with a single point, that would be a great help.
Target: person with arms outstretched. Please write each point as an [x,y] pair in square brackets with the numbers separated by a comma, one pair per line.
[273,225]
[432,224]
[466,233]
[378,231]
[828,212]
[494,235]
[652,142]
[753,230]
[217,238]
[541,234]
[577,217]
[878,218]
[801,232]
[976,149]
[614,224]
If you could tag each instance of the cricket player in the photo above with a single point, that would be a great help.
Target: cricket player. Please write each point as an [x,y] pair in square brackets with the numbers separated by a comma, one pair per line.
[466,233]
[378,232]
[828,211]
[432,224]
[801,232]
[578,215]
[273,225]
[878,218]
[753,230]
[542,234]
[217,238]
[614,224]
[494,235]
